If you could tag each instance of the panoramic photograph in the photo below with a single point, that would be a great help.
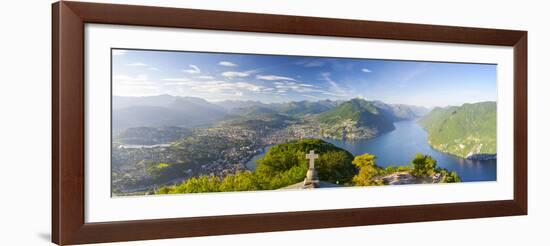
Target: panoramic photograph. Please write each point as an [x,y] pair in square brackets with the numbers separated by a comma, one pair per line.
[198,122]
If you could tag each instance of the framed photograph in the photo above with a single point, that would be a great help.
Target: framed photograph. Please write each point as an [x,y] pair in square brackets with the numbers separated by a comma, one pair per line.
[175,122]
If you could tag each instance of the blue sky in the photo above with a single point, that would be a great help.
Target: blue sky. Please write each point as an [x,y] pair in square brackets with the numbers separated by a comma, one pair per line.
[269,78]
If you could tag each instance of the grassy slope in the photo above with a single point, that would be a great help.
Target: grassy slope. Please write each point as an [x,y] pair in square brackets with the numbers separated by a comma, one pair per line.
[464,130]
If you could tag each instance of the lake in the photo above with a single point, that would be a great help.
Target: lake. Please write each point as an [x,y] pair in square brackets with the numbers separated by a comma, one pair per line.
[251,164]
[398,148]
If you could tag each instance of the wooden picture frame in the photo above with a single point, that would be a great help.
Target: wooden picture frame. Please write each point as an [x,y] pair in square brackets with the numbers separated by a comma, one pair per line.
[68,122]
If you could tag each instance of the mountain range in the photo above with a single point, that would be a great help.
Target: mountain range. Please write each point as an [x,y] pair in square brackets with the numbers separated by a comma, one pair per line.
[166,110]
[359,113]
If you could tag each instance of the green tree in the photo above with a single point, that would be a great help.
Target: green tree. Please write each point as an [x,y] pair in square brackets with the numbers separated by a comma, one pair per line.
[334,164]
[423,165]
[293,175]
[199,185]
[335,167]
[164,190]
[453,178]
[368,171]
[241,181]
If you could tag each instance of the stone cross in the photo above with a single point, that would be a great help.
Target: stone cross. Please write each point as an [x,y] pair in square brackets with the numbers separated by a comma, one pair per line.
[312,156]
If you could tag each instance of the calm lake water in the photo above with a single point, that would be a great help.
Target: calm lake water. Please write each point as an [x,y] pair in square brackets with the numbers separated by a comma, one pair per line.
[398,148]
[251,164]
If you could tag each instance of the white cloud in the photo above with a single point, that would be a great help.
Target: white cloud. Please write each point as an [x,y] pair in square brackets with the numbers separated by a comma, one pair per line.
[273,77]
[335,89]
[227,64]
[140,85]
[233,74]
[141,79]
[366,70]
[311,96]
[219,88]
[136,90]
[333,94]
[176,79]
[248,86]
[143,65]
[119,52]
[205,77]
[293,86]
[177,83]
[137,64]
[326,77]
[314,64]
[194,70]
[310,63]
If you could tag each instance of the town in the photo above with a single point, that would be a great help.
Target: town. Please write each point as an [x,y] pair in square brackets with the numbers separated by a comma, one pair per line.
[217,150]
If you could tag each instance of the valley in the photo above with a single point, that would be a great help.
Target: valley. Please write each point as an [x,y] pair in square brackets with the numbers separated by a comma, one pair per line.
[217,139]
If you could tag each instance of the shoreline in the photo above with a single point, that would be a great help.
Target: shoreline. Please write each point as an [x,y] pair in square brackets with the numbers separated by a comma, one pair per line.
[472,157]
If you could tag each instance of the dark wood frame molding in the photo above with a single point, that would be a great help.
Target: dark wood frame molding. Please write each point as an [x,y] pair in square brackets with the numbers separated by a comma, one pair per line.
[68,224]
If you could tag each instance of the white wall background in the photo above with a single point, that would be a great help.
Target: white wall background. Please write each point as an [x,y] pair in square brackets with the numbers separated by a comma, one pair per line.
[25,121]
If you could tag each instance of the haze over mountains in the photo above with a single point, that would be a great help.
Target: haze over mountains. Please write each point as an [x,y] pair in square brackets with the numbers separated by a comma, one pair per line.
[166,110]
[468,131]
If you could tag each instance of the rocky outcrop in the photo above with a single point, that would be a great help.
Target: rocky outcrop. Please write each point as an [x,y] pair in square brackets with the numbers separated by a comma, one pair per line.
[400,178]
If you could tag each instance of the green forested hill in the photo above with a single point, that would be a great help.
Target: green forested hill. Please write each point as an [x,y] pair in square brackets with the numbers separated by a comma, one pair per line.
[334,164]
[465,131]
[356,109]
[356,118]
